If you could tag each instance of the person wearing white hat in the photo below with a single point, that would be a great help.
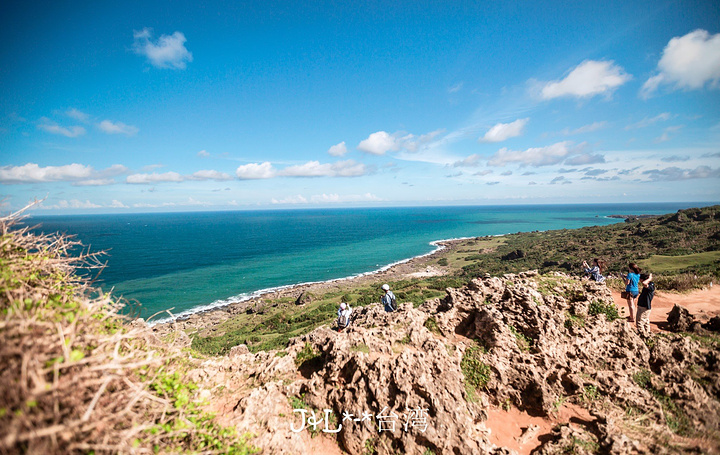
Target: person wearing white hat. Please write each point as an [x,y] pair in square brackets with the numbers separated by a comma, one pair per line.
[344,313]
[389,300]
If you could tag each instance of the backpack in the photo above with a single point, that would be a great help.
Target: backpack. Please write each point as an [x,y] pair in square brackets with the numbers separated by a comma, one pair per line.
[393,302]
[343,320]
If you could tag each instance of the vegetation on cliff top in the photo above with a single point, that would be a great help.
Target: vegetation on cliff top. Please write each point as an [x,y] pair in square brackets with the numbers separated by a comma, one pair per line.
[653,242]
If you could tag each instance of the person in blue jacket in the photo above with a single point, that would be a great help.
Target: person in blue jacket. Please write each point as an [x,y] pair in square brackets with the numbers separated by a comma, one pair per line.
[631,288]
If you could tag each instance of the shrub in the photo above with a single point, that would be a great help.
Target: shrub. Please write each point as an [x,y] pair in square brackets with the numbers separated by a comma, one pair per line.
[607,308]
[477,373]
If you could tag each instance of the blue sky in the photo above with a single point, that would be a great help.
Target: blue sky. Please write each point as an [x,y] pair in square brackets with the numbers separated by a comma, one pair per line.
[151,106]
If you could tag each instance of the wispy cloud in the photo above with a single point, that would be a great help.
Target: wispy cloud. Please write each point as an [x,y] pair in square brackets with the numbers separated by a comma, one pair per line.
[347,168]
[108,127]
[168,51]
[668,133]
[49,126]
[675,173]
[154,178]
[535,156]
[584,159]
[456,88]
[647,121]
[77,115]
[503,131]
[585,128]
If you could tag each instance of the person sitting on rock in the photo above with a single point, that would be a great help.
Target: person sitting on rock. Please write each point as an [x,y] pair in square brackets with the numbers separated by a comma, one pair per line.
[344,313]
[389,300]
[595,272]
[642,320]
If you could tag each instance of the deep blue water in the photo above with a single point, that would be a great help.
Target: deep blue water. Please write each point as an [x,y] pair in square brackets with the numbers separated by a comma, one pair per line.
[187,261]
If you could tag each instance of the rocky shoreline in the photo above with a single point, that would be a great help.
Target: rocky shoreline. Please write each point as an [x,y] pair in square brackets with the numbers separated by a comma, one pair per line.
[415,267]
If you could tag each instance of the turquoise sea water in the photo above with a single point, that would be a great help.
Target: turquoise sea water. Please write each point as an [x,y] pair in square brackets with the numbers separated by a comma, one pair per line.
[192,261]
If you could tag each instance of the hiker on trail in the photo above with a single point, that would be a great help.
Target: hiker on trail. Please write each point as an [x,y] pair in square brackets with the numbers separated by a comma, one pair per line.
[344,313]
[631,288]
[595,272]
[389,300]
[642,320]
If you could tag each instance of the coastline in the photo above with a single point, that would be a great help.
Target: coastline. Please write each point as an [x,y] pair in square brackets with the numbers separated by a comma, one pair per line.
[221,309]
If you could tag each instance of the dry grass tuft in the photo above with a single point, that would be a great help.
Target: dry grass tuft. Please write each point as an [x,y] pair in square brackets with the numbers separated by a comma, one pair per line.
[77,377]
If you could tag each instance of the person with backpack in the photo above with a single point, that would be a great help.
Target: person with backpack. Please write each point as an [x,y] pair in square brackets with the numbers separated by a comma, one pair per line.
[595,272]
[389,300]
[344,313]
[642,320]
[631,288]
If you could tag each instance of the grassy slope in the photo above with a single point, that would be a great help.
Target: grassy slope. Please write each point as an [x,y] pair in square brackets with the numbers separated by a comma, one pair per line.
[692,233]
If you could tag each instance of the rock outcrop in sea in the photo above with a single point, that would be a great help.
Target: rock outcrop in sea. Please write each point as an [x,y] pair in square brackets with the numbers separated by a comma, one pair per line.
[422,380]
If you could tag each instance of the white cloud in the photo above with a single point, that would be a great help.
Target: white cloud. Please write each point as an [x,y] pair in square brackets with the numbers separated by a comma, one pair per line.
[108,127]
[299,199]
[154,178]
[688,62]
[504,131]
[535,156]
[49,126]
[348,168]
[77,115]
[203,153]
[585,128]
[256,171]
[336,198]
[675,173]
[588,79]
[117,205]
[647,121]
[210,175]
[71,204]
[338,149]
[379,143]
[32,173]
[167,52]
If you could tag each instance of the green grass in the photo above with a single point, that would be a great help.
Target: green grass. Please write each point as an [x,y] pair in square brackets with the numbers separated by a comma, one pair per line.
[306,354]
[664,264]
[675,417]
[477,373]
[431,325]
[361,348]
[523,341]
[607,308]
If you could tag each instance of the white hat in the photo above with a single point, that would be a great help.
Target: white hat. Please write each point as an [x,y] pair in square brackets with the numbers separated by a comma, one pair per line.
[343,305]
[386,287]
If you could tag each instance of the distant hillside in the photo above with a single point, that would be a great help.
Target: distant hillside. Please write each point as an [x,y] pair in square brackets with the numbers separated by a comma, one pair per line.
[693,234]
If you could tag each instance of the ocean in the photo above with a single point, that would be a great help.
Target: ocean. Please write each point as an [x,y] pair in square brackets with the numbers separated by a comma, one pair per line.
[195,261]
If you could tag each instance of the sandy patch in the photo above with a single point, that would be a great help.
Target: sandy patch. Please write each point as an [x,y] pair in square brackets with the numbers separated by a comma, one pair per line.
[519,431]
[428,272]
[703,304]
